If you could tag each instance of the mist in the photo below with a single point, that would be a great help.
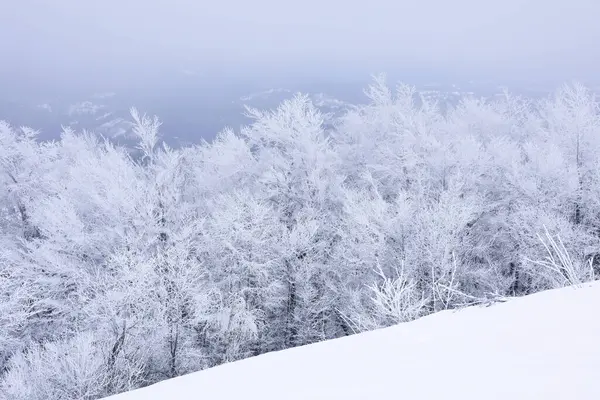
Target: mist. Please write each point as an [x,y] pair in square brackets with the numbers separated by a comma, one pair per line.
[191,62]
[133,42]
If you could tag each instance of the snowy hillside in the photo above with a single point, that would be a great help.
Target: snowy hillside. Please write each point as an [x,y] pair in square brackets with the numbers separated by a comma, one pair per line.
[119,271]
[543,346]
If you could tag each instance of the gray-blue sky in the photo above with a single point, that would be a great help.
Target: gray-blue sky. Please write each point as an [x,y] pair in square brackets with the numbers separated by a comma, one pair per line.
[81,39]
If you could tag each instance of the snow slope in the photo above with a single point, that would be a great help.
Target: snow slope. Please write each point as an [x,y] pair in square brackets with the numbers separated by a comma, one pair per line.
[544,346]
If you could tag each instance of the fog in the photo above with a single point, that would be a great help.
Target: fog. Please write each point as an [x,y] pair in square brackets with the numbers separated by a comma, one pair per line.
[193,61]
[77,42]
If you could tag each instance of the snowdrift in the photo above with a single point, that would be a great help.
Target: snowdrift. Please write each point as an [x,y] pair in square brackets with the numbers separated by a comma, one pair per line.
[543,346]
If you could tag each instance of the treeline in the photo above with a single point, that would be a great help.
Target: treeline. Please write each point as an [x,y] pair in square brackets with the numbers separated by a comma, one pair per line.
[119,271]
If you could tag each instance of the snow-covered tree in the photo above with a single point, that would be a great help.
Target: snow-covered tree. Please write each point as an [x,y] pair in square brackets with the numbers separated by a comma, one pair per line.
[119,269]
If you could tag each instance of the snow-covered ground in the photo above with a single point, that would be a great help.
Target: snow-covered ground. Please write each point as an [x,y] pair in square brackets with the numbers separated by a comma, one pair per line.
[544,346]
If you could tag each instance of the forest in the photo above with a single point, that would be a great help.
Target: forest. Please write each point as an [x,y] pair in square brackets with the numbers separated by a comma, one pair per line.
[120,269]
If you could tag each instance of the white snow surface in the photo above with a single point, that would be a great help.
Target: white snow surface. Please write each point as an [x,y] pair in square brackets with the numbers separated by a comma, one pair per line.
[543,346]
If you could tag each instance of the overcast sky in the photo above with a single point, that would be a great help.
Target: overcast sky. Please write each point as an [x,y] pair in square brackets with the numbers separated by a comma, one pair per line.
[83,39]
